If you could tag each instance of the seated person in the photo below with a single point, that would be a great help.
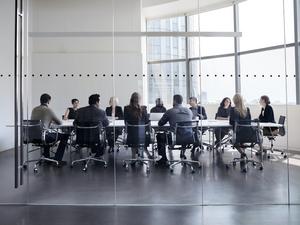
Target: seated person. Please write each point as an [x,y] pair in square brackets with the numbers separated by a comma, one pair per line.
[267,116]
[174,115]
[117,112]
[135,114]
[159,107]
[222,114]
[92,114]
[197,110]
[70,113]
[241,114]
[48,117]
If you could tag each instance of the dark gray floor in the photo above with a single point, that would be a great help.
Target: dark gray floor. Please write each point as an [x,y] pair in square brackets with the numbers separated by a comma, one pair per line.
[150,215]
[213,195]
[213,184]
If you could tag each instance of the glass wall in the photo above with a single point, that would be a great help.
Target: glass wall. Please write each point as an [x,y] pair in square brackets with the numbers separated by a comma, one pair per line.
[73,52]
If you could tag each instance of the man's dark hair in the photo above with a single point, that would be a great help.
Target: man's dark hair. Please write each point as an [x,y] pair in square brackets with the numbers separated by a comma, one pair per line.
[194,99]
[74,100]
[45,98]
[177,99]
[93,99]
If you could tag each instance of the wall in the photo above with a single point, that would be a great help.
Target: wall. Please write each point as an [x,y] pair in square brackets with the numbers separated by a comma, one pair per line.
[85,55]
[6,67]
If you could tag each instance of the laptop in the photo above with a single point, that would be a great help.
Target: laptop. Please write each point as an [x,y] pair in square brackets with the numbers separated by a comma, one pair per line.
[155,116]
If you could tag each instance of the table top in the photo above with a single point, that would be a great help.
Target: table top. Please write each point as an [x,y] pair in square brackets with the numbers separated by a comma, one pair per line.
[202,123]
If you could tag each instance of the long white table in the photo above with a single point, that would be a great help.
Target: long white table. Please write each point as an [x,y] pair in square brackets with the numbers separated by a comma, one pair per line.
[154,124]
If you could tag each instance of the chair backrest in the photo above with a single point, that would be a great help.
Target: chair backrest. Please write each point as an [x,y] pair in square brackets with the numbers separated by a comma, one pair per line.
[88,134]
[32,131]
[186,133]
[281,121]
[137,135]
[247,134]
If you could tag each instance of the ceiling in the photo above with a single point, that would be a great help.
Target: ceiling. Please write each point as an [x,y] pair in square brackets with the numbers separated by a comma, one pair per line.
[167,8]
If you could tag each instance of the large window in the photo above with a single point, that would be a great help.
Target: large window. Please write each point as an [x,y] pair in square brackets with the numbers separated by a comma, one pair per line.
[208,62]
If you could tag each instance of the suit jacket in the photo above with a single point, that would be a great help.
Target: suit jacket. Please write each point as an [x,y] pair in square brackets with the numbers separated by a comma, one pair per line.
[267,115]
[199,111]
[130,118]
[235,117]
[91,115]
[118,112]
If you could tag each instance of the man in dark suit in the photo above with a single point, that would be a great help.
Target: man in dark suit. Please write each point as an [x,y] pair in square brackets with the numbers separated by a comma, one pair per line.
[92,114]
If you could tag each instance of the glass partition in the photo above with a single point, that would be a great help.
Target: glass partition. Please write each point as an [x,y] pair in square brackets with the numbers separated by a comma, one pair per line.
[203,52]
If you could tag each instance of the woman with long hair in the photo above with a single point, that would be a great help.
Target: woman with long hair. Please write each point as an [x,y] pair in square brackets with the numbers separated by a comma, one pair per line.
[135,114]
[241,114]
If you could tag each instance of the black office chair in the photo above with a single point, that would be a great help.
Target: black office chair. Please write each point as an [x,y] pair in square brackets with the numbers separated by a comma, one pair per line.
[186,135]
[89,135]
[138,136]
[247,136]
[271,135]
[33,133]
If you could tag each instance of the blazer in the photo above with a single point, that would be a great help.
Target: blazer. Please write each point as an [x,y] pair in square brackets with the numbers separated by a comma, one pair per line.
[91,115]
[267,115]
[130,118]
[199,111]
[176,114]
[235,117]
[158,109]
[118,112]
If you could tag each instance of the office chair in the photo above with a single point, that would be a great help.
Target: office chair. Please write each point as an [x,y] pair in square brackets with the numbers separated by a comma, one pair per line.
[138,136]
[34,134]
[247,136]
[186,134]
[271,135]
[89,135]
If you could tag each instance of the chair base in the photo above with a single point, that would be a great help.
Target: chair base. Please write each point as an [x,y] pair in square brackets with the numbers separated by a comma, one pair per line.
[87,161]
[39,162]
[246,161]
[184,162]
[139,160]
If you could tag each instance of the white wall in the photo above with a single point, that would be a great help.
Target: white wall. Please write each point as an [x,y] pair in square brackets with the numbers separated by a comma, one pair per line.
[6,67]
[85,55]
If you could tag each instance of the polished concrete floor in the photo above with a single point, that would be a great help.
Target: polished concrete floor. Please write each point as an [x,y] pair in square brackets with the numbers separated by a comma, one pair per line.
[212,195]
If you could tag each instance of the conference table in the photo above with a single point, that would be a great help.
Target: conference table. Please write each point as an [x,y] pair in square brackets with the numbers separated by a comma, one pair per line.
[154,124]
[210,124]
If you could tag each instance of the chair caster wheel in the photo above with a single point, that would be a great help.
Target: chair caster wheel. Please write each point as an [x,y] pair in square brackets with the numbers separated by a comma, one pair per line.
[227,167]
[84,169]
[148,170]
[124,164]
[25,166]
[192,170]
[105,166]
[269,156]
[234,163]
[35,170]
[71,166]
[285,156]
[253,164]
[171,170]
[261,168]
[281,153]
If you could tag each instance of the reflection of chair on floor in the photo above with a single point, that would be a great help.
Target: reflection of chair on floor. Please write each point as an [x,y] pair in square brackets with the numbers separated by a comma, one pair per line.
[138,136]
[186,134]
[247,136]
[89,136]
[272,134]
[33,133]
